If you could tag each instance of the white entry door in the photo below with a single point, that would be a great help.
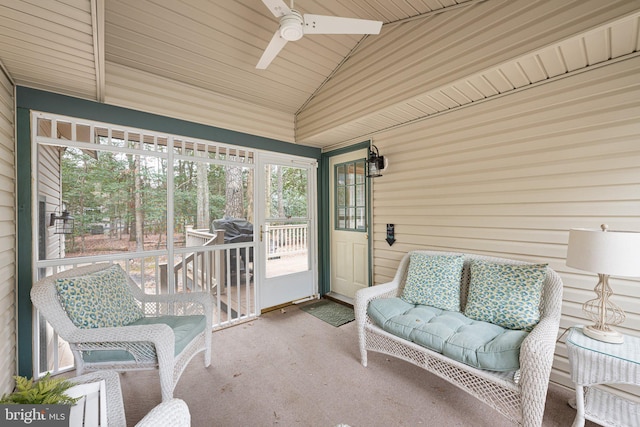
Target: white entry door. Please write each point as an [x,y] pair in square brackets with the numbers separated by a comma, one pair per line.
[287,229]
[349,228]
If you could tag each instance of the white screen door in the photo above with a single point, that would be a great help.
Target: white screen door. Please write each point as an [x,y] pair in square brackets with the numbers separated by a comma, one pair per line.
[287,229]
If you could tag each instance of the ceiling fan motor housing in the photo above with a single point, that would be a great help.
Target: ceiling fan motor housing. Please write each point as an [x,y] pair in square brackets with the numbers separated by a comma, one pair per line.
[291,26]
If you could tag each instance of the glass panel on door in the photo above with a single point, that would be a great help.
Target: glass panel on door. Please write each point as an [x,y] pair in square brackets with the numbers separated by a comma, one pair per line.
[286,226]
[351,193]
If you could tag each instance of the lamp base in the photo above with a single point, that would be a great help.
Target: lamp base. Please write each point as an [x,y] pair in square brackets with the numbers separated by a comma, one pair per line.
[609,335]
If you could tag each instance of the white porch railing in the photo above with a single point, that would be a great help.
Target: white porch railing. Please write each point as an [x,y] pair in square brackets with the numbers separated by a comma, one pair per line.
[288,239]
[205,264]
[214,268]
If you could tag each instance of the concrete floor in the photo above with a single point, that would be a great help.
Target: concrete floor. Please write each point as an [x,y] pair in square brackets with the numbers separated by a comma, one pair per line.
[288,368]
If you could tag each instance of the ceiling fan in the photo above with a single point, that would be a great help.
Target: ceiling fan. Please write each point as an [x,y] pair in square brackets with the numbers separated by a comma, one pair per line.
[293,25]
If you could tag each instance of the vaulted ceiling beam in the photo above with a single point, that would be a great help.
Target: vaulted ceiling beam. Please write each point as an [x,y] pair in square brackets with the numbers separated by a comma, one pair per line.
[97,23]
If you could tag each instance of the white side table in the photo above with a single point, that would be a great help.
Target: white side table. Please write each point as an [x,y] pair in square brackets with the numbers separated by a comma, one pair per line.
[595,362]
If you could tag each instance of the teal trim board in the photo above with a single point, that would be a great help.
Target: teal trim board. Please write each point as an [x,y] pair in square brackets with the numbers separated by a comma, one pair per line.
[28,99]
[324,262]
[39,100]
[25,235]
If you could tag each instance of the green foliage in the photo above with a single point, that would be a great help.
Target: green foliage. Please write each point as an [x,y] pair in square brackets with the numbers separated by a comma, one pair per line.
[217,203]
[47,391]
[288,192]
[108,191]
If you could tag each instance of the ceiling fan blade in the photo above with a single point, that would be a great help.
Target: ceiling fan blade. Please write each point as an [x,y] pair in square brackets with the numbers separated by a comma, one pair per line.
[275,46]
[277,7]
[320,24]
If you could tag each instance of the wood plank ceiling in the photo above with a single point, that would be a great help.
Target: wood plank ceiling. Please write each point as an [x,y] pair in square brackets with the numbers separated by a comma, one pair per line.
[65,46]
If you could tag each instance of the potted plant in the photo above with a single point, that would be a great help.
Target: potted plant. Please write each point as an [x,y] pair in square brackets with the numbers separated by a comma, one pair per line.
[46,391]
[43,402]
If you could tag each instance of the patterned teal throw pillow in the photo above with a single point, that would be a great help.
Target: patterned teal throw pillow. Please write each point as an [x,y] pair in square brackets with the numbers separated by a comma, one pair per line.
[98,300]
[507,295]
[434,280]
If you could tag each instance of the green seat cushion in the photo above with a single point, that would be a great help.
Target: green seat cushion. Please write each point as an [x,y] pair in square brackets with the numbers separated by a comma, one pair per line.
[185,329]
[100,299]
[381,310]
[434,280]
[506,294]
[479,344]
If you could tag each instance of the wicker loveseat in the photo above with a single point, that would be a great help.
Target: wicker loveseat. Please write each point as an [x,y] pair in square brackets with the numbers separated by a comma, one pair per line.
[388,324]
[110,323]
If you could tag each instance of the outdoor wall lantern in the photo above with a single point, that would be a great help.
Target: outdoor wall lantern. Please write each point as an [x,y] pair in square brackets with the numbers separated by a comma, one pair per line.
[375,162]
[63,223]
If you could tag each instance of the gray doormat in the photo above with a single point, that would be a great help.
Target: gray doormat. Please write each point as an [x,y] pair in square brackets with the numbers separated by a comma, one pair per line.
[333,313]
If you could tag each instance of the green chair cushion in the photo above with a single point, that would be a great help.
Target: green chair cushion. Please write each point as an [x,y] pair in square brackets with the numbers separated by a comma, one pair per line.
[185,329]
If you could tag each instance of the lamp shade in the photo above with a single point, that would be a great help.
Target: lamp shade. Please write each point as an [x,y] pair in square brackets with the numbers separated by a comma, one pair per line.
[605,251]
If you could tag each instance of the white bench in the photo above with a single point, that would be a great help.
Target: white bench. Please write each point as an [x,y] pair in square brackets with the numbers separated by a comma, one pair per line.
[518,395]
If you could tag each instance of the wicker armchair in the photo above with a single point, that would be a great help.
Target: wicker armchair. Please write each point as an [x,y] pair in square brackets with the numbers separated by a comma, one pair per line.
[147,346]
[519,396]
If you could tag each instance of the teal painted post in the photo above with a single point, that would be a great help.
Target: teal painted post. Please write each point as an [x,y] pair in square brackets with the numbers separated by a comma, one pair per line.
[25,233]
[324,253]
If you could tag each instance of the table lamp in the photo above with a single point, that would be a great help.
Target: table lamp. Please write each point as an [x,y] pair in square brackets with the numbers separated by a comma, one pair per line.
[605,252]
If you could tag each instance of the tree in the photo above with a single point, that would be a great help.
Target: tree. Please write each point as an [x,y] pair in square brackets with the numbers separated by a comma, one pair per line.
[287,191]
[202,218]
[249,177]
[135,203]
[128,191]
[234,194]
[280,197]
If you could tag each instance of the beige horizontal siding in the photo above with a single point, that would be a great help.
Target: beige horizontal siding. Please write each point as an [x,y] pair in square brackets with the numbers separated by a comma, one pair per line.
[408,70]
[7,236]
[49,188]
[130,88]
[511,176]
[55,49]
